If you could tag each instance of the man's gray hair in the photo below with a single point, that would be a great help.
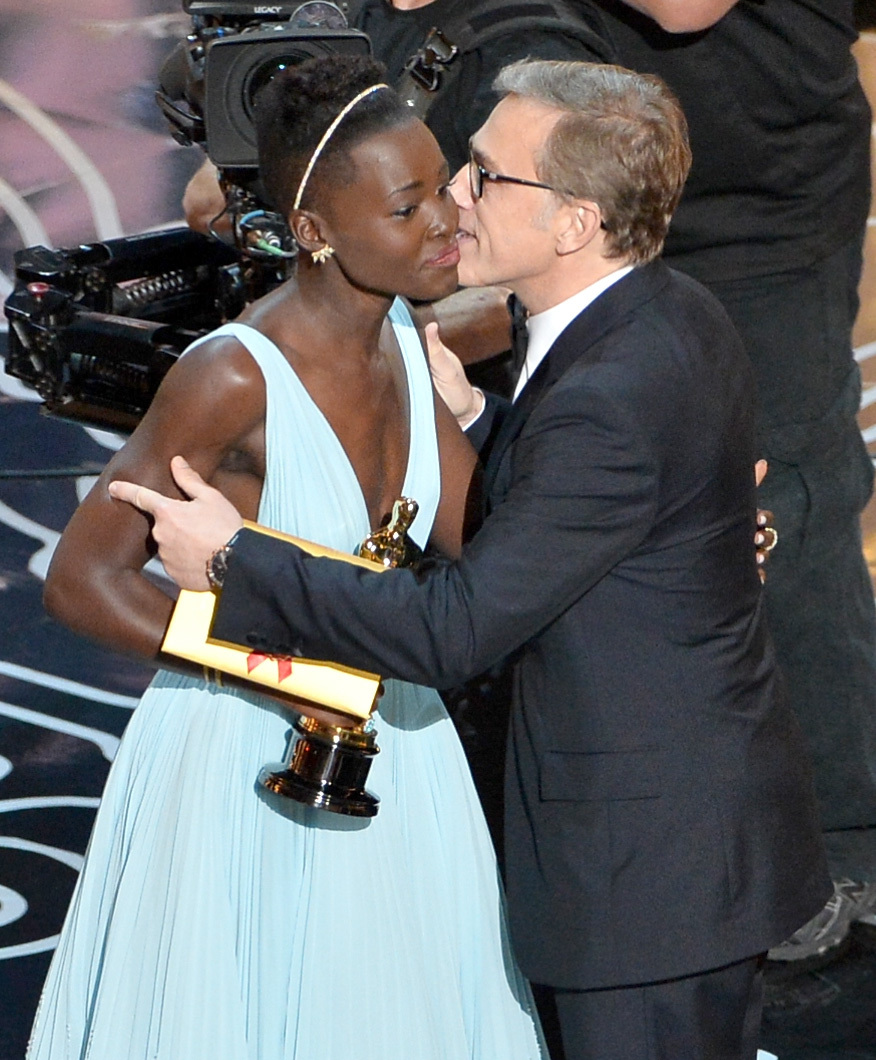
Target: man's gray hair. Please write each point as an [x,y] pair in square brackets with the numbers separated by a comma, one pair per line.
[620,142]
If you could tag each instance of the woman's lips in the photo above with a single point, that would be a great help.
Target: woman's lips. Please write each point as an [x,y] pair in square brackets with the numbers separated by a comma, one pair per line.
[448,256]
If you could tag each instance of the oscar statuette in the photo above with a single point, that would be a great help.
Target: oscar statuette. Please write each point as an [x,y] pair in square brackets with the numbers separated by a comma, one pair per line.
[327,765]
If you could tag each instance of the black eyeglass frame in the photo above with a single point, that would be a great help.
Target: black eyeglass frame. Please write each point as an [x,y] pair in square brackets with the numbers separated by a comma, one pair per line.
[477,174]
[499,178]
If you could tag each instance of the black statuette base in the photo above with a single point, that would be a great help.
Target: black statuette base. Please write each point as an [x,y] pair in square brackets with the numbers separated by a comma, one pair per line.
[327,769]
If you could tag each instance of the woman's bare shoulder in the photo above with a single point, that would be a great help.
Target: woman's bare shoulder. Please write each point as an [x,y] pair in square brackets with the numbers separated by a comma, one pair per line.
[219,374]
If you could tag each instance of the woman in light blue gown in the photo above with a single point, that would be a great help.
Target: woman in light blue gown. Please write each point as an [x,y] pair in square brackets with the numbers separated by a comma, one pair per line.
[205,924]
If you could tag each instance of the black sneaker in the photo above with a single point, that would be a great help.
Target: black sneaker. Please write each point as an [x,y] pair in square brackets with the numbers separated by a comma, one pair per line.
[826,935]
[864,926]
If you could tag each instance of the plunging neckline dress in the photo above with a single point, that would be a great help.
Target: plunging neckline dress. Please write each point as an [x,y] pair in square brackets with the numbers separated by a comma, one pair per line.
[210,923]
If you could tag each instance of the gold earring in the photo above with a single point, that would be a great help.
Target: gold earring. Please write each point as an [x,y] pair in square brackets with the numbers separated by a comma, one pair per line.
[321,256]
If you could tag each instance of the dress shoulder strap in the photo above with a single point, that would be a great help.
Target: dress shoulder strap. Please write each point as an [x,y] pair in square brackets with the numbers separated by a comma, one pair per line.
[263,350]
[423,476]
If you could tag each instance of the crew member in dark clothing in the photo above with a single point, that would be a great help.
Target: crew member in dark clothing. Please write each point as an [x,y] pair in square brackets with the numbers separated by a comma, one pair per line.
[397,31]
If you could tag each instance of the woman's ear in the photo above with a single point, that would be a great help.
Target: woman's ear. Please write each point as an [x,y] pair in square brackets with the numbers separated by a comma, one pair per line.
[307,229]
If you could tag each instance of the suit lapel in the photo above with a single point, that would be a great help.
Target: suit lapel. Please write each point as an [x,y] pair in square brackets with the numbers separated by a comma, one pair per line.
[579,342]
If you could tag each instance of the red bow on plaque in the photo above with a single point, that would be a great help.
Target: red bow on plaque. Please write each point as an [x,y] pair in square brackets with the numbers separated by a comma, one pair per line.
[284,665]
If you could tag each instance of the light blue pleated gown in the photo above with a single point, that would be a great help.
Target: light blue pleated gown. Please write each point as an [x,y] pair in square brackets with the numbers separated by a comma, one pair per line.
[208,926]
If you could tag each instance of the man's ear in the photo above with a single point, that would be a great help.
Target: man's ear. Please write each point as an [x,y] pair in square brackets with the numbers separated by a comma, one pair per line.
[583,223]
[307,228]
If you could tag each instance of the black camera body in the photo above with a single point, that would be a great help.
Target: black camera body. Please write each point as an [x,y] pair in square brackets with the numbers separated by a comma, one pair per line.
[238,66]
[95,329]
[210,82]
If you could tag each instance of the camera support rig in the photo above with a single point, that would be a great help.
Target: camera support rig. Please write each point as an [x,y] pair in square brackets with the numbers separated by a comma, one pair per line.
[94,330]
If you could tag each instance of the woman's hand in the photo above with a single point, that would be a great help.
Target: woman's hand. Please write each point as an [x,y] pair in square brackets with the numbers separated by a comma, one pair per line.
[765,540]
[465,401]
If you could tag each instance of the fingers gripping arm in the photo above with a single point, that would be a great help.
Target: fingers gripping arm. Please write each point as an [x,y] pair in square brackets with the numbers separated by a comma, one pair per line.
[187,532]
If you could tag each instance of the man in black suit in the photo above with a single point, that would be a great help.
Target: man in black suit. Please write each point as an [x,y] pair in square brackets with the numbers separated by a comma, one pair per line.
[656,775]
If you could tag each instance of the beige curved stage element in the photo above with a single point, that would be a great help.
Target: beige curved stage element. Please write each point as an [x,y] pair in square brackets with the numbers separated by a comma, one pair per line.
[865,329]
[107,224]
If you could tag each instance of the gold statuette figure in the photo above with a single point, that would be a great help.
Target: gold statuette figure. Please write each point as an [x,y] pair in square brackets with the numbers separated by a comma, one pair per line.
[390,545]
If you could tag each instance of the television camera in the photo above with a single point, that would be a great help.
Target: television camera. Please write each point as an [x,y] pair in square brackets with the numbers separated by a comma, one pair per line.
[94,329]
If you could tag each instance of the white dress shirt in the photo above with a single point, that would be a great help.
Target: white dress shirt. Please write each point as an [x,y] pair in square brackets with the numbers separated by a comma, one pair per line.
[545,328]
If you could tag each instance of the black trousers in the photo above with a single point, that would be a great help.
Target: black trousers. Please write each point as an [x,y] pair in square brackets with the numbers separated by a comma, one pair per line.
[715,1015]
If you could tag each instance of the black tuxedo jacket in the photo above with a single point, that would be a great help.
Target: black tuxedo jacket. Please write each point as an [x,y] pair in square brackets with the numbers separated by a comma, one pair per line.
[660,818]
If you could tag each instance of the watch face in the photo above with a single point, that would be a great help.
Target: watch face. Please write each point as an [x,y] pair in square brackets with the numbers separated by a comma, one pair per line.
[218,568]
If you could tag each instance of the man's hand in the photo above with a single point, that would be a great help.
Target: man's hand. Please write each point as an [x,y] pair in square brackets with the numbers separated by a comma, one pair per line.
[765,538]
[187,532]
[464,401]
[204,202]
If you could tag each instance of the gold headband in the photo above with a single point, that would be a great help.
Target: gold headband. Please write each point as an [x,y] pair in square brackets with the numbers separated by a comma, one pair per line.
[327,135]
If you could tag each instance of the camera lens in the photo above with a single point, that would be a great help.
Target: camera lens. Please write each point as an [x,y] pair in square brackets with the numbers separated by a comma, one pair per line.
[263,75]
[239,66]
[317,13]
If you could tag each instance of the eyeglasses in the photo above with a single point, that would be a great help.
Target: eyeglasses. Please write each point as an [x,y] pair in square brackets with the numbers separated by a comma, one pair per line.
[477,175]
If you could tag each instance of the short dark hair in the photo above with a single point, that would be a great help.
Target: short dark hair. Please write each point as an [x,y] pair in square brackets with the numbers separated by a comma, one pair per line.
[293,112]
[621,142]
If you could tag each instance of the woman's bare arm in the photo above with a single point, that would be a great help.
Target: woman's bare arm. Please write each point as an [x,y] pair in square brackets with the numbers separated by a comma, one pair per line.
[210,406]
[460,478]
[474,322]
[460,484]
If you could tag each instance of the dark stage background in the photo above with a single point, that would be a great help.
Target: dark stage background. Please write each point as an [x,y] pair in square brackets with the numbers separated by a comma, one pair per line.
[85,156]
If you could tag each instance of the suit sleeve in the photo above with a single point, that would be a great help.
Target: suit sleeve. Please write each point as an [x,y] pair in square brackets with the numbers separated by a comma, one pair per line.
[482,433]
[583,497]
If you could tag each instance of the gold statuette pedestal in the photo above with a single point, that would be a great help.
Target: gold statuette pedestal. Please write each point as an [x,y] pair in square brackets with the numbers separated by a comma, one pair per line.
[326,768]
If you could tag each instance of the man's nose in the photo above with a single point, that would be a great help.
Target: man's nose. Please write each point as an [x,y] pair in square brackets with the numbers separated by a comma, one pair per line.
[460,188]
